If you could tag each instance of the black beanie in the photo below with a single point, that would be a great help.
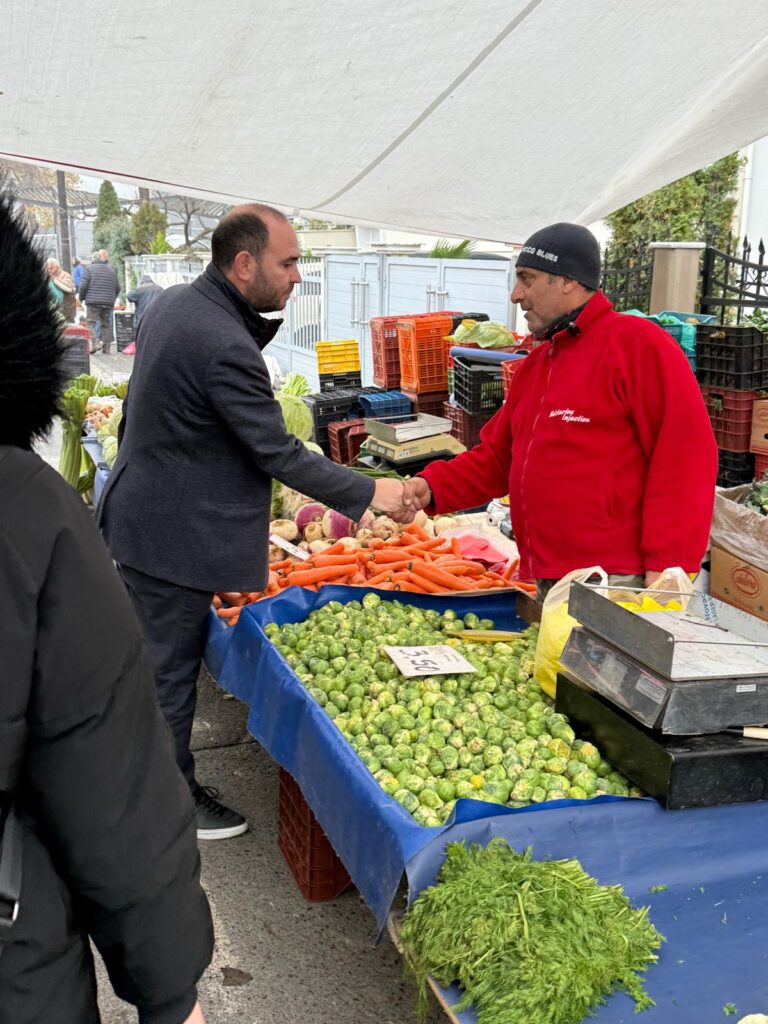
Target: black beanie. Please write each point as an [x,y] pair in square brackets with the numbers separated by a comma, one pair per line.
[568,250]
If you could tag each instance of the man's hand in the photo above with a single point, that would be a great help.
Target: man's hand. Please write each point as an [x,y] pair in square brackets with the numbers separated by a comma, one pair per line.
[651,576]
[416,493]
[196,1017]
[388,498]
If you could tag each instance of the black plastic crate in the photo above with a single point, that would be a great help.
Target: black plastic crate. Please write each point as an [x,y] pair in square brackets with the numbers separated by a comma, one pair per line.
[334,381]
[327,408]
[124,329]
[477,388]
[734,468]
[731,357]
[469,316]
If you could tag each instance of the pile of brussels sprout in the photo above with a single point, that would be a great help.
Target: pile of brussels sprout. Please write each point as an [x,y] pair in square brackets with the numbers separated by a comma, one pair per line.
[489,735]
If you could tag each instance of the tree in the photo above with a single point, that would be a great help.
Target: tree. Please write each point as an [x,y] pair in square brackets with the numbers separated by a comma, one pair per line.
[696,208]
[445,250]
[159,245]
[107,209]
[146,224]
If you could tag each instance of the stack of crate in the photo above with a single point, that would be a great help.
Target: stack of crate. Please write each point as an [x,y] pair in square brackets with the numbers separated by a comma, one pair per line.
[338,364]
[423,368]
[759,439]
[731,367]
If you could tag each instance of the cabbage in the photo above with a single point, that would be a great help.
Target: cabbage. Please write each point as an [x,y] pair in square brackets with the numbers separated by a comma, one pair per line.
[486,334]
[296,414]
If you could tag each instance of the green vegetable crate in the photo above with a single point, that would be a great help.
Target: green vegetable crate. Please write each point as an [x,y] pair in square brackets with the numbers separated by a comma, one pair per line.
[318,872]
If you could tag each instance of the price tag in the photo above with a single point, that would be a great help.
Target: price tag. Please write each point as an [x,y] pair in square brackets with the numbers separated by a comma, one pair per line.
[438,660]
[291,549]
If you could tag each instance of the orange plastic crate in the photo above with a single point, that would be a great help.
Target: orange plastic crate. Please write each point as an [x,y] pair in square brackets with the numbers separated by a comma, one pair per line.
[508,370]
[423,364]
[385,351]
[318,872]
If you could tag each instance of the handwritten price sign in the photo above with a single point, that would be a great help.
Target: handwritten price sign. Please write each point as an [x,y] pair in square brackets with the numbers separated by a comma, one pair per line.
[439,660]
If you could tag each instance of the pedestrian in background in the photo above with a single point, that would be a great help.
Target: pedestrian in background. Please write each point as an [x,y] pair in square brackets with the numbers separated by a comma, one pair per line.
[62,289]
[142,297]
[99,288]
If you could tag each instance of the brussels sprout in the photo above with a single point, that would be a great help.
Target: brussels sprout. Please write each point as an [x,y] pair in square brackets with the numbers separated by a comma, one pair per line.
[577,793]
[421,753]
[393,764]
[408,799]
[421,770]
[465,758]
[574,768]
[589,755]
[493,755]
[436,767]
[445,789]
[465,790]
[477,780]
[319,695]
[449,757]
[496,772]
[413,783]
[429,798]
[521,790]
[457,740]
[538,795]
[495,735]
[489,714]
[331,710]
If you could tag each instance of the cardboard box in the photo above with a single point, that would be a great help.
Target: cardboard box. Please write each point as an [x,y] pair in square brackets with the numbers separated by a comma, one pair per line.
[739,530]
[739,583]
[759,440]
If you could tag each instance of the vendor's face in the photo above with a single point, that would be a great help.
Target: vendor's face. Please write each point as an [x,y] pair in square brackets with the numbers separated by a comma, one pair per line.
[542,297]
[273,276]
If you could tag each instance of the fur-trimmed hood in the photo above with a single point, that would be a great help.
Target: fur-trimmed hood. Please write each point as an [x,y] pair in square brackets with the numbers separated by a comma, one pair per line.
[31,379]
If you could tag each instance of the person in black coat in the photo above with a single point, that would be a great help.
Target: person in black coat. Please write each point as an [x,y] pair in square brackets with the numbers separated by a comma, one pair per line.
[186,510]
[142,297]
[105,819]
[99,288]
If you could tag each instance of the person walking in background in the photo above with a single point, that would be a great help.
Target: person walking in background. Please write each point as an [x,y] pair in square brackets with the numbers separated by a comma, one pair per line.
[62,288]
[99,288]
[92,806]
[142,297]
[77,271]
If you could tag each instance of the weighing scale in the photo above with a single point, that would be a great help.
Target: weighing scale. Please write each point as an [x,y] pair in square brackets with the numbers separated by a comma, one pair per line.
[667,694]
[415,439]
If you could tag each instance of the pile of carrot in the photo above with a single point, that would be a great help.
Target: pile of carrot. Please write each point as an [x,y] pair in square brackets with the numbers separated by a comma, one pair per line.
[414,563]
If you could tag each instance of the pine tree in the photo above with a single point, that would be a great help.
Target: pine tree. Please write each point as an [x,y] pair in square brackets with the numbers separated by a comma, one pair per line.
[107,209]
[147,223]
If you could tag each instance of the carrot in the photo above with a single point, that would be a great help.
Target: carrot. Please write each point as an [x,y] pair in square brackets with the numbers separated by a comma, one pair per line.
[460,568]
[228,613]
[377,569]
[277,566]
[385,586]
[430,544]
[427,586]
[323,560]
[435,575]
[510,568]
[456,547]
[409,588]
[396,555]
[417,531]
[385,576]
[335,549]
[331,572]
[374,544]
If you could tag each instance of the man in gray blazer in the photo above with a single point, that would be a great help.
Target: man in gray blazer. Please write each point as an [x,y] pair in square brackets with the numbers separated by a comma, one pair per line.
[186,510]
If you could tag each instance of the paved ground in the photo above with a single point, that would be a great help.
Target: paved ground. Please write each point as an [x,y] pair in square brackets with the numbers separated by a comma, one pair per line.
[278,959]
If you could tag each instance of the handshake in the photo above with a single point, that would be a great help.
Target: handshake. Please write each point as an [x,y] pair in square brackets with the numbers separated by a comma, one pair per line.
[401,501]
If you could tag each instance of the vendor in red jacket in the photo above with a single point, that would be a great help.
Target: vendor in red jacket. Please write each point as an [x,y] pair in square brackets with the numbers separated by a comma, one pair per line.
[603,443]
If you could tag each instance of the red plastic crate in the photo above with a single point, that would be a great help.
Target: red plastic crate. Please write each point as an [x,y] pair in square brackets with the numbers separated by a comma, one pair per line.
[421,344]
[318,872]
[466,427]
[730,413]
[508,371]
[429,402]
[355,439]
[338,438]
[385,350]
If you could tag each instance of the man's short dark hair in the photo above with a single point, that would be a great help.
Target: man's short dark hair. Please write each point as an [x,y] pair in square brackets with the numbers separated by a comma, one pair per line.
[243,229]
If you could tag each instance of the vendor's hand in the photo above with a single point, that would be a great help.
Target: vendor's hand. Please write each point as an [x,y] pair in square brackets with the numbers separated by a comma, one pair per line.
[388,498]
[416,493]
[196,1017]
[651,576]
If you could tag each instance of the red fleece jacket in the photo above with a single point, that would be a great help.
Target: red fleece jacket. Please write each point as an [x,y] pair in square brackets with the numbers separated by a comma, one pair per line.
[605,449]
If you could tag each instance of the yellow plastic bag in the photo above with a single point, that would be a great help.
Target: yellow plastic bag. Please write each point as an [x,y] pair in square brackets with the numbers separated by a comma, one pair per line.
[556,626]
[669,593]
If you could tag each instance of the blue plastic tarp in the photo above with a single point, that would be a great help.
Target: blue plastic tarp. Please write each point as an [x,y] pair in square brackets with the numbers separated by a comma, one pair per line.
[372,834]
[713,913]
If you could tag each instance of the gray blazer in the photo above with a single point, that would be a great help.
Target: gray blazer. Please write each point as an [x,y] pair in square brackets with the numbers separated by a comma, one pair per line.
[188,499]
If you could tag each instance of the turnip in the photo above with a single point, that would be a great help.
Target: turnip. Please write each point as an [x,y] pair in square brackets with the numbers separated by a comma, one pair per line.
[284,528]
[312,512]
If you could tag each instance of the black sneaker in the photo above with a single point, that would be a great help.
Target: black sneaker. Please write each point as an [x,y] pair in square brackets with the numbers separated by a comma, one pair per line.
[214,820]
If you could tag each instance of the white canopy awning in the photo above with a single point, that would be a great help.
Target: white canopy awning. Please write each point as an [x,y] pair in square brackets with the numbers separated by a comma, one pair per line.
[478,118]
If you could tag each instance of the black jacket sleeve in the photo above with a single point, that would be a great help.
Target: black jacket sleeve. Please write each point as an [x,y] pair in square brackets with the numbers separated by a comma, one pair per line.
[100,781]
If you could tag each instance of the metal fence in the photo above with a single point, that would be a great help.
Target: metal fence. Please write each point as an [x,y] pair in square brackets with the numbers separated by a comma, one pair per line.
[303,316]
[627,273]
[732,282]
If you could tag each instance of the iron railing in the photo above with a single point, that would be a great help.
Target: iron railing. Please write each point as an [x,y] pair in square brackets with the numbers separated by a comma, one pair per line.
[627,273]
[732,281]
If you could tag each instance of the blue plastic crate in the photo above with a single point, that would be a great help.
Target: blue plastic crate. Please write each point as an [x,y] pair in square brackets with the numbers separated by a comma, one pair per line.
[386,404]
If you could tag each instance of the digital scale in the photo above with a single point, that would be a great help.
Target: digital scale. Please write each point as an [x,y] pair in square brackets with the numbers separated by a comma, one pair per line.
[416,439]
[667,694]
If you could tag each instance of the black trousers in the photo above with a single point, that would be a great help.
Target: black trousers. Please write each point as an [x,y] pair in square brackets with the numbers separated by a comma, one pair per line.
[174,621]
